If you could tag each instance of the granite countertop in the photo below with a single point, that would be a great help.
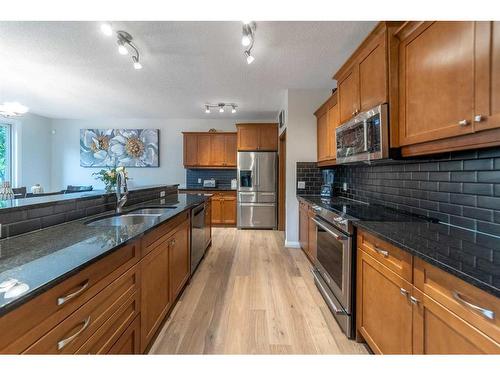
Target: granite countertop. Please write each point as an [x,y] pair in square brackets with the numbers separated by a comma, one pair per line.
[13,204]
[201,188]
[472,256]
[40,259]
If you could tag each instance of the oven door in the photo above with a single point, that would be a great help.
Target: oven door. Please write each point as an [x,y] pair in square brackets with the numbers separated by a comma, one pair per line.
[334,261]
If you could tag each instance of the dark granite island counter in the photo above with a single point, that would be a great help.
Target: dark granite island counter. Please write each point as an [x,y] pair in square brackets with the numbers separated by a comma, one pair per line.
[40,259]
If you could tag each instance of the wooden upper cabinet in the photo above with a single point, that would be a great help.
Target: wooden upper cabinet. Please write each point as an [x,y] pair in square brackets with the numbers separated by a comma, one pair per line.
[323,144]
[248,137]
[436,81]
[369,77]
[372,73]
[190,150]
[217,150]
[348,95]
[230,150]
[487,89]
[257,137]
[210,150]
[327,117]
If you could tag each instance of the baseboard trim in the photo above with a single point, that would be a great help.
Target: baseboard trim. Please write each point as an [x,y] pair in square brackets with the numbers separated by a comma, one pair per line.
[292,244]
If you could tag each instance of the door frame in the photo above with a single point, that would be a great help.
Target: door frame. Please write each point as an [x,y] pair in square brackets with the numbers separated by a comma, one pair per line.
[282,181]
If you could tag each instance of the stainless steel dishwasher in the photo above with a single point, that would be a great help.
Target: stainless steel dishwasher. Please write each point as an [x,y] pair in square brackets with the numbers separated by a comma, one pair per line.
[197,236]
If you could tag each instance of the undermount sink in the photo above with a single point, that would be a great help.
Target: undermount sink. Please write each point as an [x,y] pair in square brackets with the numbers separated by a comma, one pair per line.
[138,216]
[153,210]
[122,220]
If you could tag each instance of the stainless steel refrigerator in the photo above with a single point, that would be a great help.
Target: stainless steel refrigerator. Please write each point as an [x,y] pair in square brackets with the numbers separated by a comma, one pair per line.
[257,184]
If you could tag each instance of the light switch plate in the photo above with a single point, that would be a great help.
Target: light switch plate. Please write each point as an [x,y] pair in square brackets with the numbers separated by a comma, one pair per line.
[162,193]
[344,186]
[199,180]
[301,184]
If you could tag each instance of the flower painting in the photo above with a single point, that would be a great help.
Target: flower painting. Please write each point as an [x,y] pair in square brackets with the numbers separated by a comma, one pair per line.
[119,148]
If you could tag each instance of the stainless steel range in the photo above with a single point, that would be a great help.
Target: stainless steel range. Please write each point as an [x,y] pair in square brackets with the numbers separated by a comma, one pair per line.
[334,269]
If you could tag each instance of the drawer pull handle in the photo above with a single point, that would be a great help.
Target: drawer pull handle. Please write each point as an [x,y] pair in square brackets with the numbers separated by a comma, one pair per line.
[61,344]
[384,253]
[485,312]
[63,300]
[478,118]
[404,292]
[414,300]
[463,122]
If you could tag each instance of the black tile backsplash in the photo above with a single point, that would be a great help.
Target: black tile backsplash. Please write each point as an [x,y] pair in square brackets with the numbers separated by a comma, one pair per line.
[222,176]
[25,219]
[311,175]
[461,188]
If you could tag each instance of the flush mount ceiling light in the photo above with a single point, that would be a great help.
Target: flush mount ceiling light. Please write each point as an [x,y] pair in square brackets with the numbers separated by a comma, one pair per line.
[248,39]
[12,109]
[125,44]
[221,107]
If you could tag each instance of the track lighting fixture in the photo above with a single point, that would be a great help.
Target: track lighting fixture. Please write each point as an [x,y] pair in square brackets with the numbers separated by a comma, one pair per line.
[12,109]
[221,107]
[248,39]
[125,44]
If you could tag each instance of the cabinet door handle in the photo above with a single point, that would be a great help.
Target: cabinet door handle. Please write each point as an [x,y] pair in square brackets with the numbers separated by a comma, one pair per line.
[463,122]
[62,343]
[63,300]
[382,252]
[484,312]
[414,300]
[478,118]
[404,292]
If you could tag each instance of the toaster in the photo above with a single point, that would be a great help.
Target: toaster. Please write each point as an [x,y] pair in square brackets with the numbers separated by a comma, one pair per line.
[209,183]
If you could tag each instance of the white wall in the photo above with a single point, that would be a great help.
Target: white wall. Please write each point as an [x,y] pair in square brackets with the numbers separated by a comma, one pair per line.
[300,106]
[32,148]
[66,168]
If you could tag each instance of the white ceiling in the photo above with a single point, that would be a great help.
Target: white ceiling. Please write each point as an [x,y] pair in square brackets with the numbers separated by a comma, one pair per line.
[71,70]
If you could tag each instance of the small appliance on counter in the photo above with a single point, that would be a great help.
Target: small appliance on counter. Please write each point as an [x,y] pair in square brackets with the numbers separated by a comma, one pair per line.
[326,191]
[210,183]
[234,184]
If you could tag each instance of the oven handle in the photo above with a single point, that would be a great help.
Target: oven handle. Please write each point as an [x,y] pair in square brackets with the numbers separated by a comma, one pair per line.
[322,226]
[324,293]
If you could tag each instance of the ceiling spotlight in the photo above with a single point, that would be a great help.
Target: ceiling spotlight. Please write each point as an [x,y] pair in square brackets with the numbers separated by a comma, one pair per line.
[221,108]
[12,109]
[121,48]
[106,29]
[245,40]
[233,110]
[250,58]
[137,64]
[207,109]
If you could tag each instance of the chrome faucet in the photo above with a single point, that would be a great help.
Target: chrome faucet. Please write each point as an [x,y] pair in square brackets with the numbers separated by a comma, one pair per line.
[121,181]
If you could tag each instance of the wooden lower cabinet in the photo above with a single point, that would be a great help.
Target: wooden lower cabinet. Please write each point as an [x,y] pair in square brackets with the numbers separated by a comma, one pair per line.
[224,208]
[130,340]
[155,292]
[311,236]
[116,305]
[421,316]
[384,312]
[208,223]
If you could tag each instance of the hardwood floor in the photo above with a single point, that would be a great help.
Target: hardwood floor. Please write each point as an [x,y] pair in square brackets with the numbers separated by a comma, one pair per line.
[251,295]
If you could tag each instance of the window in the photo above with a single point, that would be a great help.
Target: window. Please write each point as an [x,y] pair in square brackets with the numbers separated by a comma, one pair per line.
[5,153]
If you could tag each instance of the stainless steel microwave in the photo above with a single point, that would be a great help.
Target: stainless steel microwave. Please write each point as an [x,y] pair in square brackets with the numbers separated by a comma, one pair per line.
[365,137]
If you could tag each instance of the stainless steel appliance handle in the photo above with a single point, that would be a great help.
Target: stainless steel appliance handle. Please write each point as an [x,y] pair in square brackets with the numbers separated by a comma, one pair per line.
[267,193]
[257,177]
[246,193]
[66,298]
[62,343]
[322,226]
[484,312]
[249,204]
[365,135]
[324,293]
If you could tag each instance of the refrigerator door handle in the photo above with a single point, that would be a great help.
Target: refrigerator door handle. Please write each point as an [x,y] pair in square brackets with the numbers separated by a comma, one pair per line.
[257,167]
[257,204]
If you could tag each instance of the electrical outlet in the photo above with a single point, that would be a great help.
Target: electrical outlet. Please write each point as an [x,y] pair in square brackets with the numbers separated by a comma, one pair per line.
[301,184]
[344,186]
[199,180]
[162,194]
